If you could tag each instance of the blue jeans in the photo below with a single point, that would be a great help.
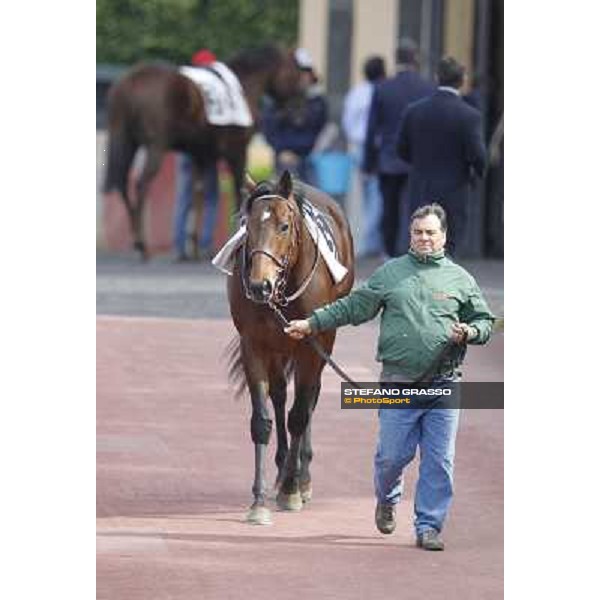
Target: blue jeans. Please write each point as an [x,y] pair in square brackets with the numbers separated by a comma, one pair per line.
[400,432]
[184,200]
[371,240]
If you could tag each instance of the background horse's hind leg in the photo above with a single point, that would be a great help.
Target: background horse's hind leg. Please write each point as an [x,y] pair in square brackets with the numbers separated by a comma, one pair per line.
[198,202]
[151,165]
[237,165]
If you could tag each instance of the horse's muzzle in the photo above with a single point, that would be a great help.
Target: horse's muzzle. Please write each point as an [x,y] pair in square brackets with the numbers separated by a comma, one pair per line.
[261,291]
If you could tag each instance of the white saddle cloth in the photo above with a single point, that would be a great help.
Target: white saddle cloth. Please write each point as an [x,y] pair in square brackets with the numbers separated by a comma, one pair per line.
[223,95]
[224,259]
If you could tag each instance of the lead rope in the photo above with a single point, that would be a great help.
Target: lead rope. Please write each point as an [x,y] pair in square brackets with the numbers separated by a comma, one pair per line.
[316,347]
[445,353]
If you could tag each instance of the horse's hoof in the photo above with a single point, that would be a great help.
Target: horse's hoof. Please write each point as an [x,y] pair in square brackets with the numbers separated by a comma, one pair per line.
[140,249]
[306,492]
[291,502]
[259,515]
[272,493]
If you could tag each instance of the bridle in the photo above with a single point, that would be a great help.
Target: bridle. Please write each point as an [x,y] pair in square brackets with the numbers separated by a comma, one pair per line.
[278,296]
[278,300]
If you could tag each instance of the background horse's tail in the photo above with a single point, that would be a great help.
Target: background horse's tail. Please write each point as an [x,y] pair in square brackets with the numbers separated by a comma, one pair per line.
[121,150]
[236,367]
[121,144]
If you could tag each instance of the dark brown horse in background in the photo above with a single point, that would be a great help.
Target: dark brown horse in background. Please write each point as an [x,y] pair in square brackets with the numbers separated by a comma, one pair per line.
[280,260]
[158,108]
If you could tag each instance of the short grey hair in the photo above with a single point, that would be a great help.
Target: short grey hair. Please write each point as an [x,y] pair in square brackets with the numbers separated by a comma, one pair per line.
[431,209]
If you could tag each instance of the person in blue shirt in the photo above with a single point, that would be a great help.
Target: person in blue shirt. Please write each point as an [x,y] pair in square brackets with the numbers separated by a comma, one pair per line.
[355,116]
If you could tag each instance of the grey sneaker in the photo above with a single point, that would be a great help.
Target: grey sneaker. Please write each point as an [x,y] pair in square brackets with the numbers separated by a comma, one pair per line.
[430,540]
[385,517]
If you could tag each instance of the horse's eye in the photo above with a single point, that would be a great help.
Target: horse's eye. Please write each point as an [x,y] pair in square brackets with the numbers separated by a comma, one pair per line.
[284,227]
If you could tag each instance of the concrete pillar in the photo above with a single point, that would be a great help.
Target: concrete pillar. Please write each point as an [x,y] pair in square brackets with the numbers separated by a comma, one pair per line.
[375,31]
[459,32]
[312,32]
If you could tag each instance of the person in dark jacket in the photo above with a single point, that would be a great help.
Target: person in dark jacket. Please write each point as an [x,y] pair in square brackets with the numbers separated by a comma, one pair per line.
[293,129]
[390,99]
[441,137]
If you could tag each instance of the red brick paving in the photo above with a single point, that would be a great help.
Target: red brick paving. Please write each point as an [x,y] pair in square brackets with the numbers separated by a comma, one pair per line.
[175,466]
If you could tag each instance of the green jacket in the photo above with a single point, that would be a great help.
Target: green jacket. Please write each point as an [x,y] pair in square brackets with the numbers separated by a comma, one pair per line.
[421,298]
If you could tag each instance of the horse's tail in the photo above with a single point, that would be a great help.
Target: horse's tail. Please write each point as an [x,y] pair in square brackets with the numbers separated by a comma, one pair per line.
[121,145]
[235,369]
[236,372]
[121,151]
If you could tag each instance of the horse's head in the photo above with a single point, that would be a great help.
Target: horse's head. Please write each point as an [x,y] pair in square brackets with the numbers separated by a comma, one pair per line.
[273,221]
[271,68]
[285,80]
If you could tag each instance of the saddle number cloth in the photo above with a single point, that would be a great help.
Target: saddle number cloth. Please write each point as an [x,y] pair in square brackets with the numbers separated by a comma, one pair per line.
[223,95]
[319,230]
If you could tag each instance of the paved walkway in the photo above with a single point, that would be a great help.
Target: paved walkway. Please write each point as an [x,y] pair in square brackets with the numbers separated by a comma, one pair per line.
[161,288]
[175,465]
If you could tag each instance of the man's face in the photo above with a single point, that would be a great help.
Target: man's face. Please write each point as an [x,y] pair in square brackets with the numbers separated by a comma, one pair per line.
[426,235]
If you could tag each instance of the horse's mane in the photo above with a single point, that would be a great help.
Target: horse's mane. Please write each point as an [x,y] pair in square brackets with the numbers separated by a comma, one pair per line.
[255,59]
[268,187]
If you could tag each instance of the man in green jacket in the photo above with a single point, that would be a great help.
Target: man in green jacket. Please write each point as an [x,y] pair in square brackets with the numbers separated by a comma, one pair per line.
[426,300]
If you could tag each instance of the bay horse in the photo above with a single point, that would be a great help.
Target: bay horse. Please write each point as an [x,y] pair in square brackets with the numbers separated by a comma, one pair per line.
[156,107]
[279,265]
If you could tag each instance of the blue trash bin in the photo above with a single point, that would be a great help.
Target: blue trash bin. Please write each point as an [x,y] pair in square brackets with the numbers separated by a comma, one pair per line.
[332,171]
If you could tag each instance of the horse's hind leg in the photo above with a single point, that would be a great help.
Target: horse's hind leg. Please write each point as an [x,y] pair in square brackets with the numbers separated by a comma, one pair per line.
[152,164]
[307,377]
[306,456]
[278,393]
[289,496]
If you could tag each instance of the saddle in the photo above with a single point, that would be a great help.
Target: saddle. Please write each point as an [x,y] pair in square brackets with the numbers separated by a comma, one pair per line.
[320,230]
[223,95]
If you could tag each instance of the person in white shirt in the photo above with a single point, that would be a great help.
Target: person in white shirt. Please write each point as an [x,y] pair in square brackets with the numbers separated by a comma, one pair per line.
[354,122]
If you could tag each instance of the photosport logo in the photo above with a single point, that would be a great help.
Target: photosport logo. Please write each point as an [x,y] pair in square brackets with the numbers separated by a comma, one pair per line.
[449,394]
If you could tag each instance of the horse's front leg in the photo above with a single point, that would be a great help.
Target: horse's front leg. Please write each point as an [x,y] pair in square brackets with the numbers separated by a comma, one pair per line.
[260,429]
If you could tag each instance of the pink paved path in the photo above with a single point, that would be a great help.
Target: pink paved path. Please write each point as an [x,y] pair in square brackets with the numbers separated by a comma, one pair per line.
[175,466]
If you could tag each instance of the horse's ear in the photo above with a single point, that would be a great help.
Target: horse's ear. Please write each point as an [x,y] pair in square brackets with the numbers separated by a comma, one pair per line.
[249,183]
[285,184]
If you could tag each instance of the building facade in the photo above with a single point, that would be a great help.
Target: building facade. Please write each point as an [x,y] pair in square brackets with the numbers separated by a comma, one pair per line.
[341,34]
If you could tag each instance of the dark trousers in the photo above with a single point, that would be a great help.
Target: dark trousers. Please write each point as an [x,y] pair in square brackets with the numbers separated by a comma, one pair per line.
[393,191]
[455,204]
[456,216]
